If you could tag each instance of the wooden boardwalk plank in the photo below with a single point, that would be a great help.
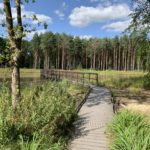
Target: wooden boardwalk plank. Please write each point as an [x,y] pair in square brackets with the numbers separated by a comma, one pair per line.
[90,127]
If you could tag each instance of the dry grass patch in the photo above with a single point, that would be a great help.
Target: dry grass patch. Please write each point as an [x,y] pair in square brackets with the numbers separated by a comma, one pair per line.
[138,101]
[143,108]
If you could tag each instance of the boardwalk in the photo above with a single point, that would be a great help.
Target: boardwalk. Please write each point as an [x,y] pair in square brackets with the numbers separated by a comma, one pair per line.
[93,118]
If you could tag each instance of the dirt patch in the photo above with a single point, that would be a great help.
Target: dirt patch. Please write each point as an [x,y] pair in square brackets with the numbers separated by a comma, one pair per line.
[138,101]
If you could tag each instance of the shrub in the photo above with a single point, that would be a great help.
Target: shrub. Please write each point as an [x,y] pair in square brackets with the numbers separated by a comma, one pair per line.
[42,118]
[130,131]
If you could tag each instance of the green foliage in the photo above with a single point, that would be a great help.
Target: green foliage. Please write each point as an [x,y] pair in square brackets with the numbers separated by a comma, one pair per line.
[140,16]
[33,145]
[130,131]
[42,119]
[4,51]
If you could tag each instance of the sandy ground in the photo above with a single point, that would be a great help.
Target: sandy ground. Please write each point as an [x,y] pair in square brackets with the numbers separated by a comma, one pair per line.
[135,101]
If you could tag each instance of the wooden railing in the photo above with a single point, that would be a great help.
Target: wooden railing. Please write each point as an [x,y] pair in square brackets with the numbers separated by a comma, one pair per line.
[80,77]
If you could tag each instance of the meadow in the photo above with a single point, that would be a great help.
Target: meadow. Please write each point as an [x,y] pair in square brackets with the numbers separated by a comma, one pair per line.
[133,80]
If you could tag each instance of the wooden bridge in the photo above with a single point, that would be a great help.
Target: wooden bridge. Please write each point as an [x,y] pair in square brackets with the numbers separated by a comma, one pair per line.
[79,77]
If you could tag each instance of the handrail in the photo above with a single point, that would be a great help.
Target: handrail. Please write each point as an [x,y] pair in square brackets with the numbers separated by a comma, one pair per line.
[82,77]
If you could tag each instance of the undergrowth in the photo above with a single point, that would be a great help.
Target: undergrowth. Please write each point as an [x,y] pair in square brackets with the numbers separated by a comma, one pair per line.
[129,131]
[43,118]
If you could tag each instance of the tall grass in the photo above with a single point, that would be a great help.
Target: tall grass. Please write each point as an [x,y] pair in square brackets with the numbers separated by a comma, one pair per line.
[43,117]
[130,131]
[131,80]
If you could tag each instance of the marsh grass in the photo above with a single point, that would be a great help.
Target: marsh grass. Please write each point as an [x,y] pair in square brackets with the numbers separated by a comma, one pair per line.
[44,116]
[131,80]
[129,131]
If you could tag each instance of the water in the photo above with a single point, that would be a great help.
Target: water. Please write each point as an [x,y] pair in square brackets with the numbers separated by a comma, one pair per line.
[24,81]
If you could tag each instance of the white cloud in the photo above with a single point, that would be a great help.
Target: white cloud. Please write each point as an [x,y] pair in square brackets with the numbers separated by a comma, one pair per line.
[43,18]
[40,17]
[84,16]
[119,26]
[59,14]
[2,17]
[29,36]
[87,37]
[106,1]
[28,16]
[1,6]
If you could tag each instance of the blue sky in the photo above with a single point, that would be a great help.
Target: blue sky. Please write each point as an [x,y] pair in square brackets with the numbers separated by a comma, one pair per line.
[84,18]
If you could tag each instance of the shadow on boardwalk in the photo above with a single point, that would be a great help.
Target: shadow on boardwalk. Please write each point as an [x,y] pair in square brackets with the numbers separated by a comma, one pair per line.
[93,118]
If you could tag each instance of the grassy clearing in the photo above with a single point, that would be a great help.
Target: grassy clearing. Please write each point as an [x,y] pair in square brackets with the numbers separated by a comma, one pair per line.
[129,131]
[131,80]
[112,72]
[43,118]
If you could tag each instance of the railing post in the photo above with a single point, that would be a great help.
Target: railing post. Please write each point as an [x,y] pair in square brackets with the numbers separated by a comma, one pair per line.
[83,78]
[59,75]
[77,76]
[97,78]
[89,77]
[41,73]
[65,75]
[52,74]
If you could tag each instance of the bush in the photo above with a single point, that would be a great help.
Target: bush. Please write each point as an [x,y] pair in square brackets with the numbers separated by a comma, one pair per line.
[130,131]
[42,117]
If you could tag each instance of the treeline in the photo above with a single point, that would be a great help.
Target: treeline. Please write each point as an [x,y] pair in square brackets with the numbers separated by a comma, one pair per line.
[61,51]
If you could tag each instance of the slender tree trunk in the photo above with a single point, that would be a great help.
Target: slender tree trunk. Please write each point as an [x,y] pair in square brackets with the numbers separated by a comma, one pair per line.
[91,63]
[48,62]
[94,57]
[15,47]
[119,57]
[86,59]
[74,61]
[35,60]
[58,59]
[114,59]
[62,63]
[103,60]
[99,62]
[138,65]
[15,86]
[122,62]
[125,60]
[106,64]
[39,62]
